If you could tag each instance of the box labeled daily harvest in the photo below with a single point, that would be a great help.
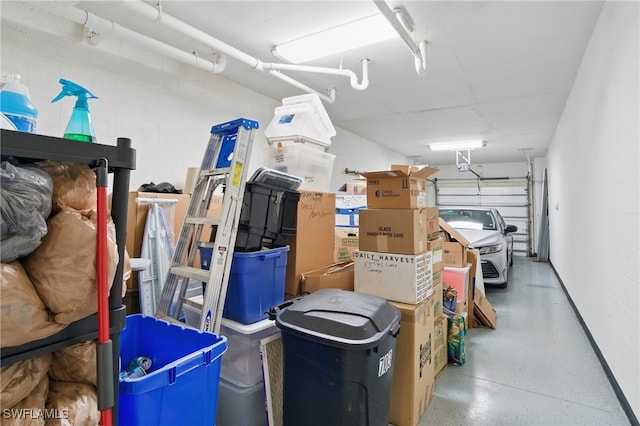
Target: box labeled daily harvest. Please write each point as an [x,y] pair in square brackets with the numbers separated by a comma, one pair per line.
[393,230]
[413,370]
[402,187]
[402,278]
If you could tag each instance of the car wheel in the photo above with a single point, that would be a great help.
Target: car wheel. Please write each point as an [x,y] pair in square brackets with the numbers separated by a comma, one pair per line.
[511,261]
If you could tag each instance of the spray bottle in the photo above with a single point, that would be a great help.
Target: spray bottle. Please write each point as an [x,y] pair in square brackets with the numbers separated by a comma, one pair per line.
[79,127]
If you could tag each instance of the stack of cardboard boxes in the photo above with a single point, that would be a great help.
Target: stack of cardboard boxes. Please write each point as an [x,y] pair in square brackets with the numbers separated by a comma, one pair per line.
[398,236]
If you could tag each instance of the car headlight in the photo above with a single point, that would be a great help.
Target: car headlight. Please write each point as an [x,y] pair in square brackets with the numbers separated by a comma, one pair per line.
[491,249]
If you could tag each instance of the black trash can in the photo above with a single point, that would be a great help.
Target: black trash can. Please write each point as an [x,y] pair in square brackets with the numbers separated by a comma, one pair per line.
[339,348]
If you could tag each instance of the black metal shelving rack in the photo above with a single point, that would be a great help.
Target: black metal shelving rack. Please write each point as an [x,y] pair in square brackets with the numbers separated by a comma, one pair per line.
[121,160]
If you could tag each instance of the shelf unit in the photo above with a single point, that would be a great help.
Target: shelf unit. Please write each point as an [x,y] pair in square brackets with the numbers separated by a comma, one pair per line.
[121,159]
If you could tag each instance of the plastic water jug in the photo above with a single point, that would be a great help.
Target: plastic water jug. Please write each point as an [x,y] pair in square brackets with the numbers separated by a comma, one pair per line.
[16,106]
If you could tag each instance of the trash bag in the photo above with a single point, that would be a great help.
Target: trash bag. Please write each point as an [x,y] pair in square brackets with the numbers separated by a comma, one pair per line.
[74,185]
[162,187]
[23,316]
[77,401]
[29,411]
[18,380]
[75,363]
[25,205]
[63,268]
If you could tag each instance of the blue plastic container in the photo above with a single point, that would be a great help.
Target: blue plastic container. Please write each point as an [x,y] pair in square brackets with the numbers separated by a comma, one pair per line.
[256,283]
[16,105]
[182,386]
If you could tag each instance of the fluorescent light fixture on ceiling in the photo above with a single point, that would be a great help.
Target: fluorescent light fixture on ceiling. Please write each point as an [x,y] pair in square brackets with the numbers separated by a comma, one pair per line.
[457,145]
[354,34]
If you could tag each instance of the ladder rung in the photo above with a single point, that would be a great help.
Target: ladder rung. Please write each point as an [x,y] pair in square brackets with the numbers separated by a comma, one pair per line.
[194,302]
[190,272]
[170,319]
[197,220]
[215,172]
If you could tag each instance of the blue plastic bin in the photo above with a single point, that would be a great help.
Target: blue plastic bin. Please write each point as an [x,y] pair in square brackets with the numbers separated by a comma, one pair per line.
[256,283]
[182,386]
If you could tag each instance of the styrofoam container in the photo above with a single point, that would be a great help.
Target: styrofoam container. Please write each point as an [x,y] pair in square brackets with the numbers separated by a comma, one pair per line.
[313,166]
[241,364]
[301,116]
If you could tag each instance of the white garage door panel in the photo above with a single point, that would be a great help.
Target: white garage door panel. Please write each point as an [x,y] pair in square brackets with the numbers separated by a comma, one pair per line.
[509,196]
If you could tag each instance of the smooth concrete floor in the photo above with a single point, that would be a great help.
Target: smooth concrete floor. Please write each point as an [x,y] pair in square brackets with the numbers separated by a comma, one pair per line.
[536,368]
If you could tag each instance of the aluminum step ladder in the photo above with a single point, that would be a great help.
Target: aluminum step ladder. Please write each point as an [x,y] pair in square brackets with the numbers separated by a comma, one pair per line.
[224,166]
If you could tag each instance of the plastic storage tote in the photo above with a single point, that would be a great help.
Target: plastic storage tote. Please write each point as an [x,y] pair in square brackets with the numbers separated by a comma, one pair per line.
[313,166]
[273,209]
[241,364]
[241,406]
[338,349]
[301,117]
[182,386]
[256,283]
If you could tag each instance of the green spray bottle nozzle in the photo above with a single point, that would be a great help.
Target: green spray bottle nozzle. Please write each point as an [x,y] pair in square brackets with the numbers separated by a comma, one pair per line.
[79,127]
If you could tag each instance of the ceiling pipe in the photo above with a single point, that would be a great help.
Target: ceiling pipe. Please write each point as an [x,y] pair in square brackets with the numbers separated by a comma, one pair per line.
[333,71]
[417,49]
[169,21]
[98,29]
[330,98]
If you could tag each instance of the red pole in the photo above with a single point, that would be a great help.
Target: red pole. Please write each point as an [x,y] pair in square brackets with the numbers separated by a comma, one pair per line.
[102,273]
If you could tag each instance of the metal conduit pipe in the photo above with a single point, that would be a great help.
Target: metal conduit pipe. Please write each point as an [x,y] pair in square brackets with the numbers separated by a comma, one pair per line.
[99,29]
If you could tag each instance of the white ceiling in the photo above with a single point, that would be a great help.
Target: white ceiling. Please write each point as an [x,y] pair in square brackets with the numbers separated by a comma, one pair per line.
[500,71]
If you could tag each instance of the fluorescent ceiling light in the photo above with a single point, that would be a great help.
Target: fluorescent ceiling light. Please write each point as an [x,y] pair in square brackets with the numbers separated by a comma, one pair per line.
[354,34]
[457,145]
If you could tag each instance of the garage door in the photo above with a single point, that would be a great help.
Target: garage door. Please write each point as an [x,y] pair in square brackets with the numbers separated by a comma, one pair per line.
[509,196]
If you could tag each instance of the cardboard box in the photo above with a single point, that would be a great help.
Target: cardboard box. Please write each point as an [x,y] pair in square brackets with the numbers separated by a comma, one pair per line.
[338,275]
[402,187]
[436,284]
[137,219]
[484,313]
[355,187]
[312,246]
[358,187]
[346,243]
[403,278]
[473,257]
[454,248]
[436,247]
[347,201]
[413,368]
[439,352]
[433,222]
[393,230]
[454,254]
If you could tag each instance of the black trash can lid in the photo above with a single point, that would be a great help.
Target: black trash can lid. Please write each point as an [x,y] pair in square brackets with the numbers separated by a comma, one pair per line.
[340,318]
